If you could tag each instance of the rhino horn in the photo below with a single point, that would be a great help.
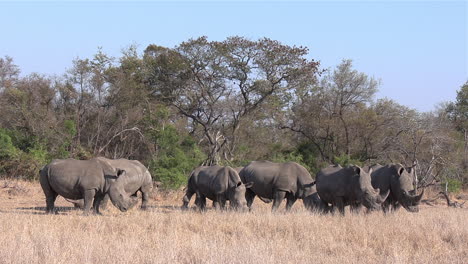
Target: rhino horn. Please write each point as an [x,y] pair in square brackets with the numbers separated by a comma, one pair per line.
[411,196]
[415,199]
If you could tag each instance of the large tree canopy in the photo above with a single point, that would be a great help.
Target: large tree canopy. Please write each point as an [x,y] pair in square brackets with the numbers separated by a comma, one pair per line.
[228,102]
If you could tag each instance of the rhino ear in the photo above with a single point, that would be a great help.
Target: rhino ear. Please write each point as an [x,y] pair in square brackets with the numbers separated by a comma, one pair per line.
[120,172]
[410,170]
[157,184]
[400,171]
[357,170]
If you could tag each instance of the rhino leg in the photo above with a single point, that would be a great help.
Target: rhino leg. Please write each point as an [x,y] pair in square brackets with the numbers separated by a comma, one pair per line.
[200,201]
[145,193]
[186,200]
[386,206]
[144,200]
[50,201]
[50,194]
[278,197]
[340,205]
[395,206]
[249,196]
[355,208]
[104,202]
[88,199]
[97,203]
[220,202]
[290,200]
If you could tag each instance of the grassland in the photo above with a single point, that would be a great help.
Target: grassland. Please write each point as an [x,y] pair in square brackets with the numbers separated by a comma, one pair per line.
[164,234]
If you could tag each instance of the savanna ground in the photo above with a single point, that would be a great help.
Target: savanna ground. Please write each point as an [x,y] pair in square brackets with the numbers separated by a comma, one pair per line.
[165,234]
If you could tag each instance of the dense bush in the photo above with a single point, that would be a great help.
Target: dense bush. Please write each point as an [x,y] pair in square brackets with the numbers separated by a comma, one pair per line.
[177,156]
[16,163]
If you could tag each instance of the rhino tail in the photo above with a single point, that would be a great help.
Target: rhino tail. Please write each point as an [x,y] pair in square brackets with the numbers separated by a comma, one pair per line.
[44,171]
[190,181]
[265,200]
[44,181]
[308,185]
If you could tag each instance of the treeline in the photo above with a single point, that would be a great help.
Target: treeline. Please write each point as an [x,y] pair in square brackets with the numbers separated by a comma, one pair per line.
[228,102]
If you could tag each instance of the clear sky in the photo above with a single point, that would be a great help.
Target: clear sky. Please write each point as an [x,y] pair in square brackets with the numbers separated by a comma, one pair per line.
[418,49]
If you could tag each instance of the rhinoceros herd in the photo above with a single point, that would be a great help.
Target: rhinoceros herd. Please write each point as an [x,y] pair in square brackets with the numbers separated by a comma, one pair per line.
[98,179]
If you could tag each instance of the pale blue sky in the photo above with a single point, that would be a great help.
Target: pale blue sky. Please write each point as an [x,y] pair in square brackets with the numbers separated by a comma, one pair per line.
[418,49]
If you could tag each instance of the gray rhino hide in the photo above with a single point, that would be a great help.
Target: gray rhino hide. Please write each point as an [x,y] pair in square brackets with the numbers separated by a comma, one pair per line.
[137,178]
[399,181]
[216,183]
[268,176]
[78,179]
[276,181]
[347,186]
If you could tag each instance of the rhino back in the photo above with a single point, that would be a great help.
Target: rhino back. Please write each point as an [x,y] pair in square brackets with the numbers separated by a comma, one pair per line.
[69,178]
[211,181]
[333,182]
[136,175]
[269,176]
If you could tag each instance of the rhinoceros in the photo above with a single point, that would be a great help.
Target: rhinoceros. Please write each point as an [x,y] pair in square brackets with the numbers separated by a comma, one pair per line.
[399,181]
[137,178]
[276,181]
[84,179]
[348,186]
[315,203]
[217,183]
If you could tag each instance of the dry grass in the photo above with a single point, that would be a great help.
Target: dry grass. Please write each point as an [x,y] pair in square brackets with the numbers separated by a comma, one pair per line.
[165,234]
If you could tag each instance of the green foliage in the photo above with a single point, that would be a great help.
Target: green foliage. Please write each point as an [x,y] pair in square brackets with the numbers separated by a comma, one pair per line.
[39,153]
[178,155]
[458,110]
[287,156]
[21,139]
[452,185]
[345,160]
[311,157]
[70,127]
[7,149]
[16,163]
[62,151]
[82,153]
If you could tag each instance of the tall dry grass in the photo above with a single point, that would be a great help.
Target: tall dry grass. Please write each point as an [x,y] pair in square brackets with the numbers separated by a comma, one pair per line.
[165,234]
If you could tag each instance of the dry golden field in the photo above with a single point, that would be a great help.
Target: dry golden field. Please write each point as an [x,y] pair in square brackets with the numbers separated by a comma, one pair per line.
[164,234]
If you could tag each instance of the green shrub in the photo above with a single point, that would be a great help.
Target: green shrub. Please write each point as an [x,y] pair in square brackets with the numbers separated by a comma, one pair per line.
[345,160]
[178,155]
[289,156]
[7,149]
[452,185]
[70,127]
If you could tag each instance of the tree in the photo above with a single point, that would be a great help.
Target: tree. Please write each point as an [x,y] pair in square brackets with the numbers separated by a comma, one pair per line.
[326,114]
[458,114]
[223,82]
